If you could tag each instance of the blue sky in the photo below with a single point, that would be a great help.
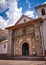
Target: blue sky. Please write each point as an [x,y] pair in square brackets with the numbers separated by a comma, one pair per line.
[26,7]
[29,4]
[32,3]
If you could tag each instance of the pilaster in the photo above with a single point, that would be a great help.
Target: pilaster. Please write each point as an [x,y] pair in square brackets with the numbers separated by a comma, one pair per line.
[38,40]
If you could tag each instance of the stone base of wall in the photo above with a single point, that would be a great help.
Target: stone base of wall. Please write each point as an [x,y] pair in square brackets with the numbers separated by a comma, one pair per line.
[26,58]
[3,55]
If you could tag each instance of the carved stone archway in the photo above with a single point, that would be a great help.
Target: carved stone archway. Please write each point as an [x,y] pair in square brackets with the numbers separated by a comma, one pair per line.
[25,49]
[29,45]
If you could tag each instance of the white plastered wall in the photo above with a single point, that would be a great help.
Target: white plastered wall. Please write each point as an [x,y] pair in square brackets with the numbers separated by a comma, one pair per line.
[44,33]
[2,49]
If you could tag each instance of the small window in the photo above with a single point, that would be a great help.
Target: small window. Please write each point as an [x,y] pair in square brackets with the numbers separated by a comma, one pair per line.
[24,20]
[43,11]
[4,46]
[24,31]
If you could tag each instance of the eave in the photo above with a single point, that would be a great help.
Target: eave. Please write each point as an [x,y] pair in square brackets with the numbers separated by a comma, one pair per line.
[25,24]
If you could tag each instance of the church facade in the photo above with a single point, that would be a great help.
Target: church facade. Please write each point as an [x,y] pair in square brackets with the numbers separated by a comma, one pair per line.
[28,36]
[25,39]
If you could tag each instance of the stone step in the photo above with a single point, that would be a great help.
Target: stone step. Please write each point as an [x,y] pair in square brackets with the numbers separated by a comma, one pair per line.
[25,58]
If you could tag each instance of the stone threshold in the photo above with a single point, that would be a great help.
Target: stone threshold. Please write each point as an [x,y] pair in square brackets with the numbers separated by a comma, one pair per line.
[26,58]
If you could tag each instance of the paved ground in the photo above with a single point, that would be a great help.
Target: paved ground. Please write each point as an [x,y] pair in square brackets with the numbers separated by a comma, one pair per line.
[17,62]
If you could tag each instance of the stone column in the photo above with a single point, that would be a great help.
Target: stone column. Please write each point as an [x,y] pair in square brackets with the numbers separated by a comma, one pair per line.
[38,40]
[10,44]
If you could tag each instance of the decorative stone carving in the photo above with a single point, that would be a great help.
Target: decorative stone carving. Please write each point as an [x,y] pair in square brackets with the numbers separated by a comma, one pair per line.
[28,39]
[20,40]
[38,40]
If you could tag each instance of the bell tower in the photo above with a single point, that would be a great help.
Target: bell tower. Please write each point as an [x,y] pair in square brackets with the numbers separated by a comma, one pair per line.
[41,11]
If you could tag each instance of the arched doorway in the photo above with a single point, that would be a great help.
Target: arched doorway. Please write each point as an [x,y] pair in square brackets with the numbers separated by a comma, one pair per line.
[25,49]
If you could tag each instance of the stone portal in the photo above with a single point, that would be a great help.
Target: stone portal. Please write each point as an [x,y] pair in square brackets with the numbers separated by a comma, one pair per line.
[25,49]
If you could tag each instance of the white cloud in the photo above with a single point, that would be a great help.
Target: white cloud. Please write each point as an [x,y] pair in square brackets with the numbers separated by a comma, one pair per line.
[29,5]
[30,13]
[2,5]
[3,23]
[14,13]
[44,2]
[2,1]
[36,16]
